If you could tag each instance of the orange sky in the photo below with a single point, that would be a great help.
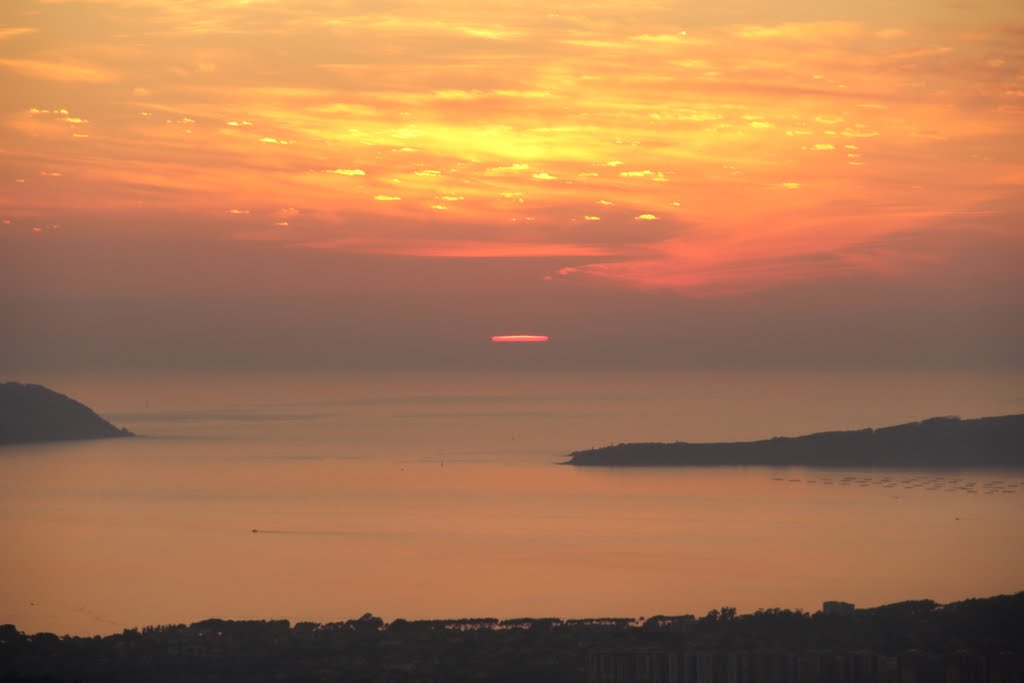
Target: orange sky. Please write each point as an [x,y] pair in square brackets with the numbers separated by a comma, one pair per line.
[706,152]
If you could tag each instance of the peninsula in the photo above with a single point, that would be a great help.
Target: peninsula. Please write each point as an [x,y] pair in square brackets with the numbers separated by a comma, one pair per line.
[939,442]
[30,413]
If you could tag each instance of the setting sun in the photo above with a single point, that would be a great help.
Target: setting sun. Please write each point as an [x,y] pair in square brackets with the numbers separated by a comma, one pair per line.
[519,338]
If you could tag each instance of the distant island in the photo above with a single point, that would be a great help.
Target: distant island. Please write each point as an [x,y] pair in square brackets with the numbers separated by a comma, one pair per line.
[939,442]
[30,413]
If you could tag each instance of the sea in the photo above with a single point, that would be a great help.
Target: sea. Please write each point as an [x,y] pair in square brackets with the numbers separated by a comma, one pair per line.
[321,497]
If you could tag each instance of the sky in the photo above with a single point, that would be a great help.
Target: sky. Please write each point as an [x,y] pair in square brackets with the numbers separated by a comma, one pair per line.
[653,185]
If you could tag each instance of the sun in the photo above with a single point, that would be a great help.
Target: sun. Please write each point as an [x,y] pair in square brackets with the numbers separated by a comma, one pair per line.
[520,338]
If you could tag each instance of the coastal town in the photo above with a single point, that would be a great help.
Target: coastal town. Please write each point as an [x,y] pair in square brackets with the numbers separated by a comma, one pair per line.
[978,640]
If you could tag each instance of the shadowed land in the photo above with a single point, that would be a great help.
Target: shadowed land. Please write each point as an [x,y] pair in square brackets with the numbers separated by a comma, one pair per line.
[917,640]
[939,442]
[30,413]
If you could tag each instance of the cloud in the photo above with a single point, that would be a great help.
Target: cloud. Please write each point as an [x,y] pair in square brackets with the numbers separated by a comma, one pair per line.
[891,33]
[7,32]
[469,95]
[504,170]
[938,244]
[64,72]
[859,131]
[661,38]
[488,33]
[487,122]
[459,249]
[811,31]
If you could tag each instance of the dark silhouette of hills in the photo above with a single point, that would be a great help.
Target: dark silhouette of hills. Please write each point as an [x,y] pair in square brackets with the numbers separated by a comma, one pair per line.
[934,443]
[978,640]
[30,413]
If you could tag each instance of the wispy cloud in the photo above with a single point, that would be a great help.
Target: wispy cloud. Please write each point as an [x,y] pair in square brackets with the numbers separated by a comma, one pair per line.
[459,249]
[15,31]
[62,71]
[601,125]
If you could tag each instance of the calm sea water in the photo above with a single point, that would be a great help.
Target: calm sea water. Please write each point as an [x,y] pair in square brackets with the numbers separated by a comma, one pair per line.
[431,496]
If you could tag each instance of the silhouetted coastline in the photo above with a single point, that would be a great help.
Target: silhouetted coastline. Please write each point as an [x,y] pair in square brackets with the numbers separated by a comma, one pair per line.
[917,640]
[31,413]
[939,442]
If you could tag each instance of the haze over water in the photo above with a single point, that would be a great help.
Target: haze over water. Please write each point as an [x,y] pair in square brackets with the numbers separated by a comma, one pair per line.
[439,495]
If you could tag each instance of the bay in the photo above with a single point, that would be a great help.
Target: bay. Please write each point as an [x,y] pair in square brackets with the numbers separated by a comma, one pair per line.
[437,496]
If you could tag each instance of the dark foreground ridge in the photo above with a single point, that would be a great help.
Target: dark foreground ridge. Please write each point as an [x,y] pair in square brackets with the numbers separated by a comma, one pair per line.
[938,442]
[978,640]
[30,413]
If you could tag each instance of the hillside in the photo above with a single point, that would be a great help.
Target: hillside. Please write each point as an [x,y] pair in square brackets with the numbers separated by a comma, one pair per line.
[30,413]
[937,442]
